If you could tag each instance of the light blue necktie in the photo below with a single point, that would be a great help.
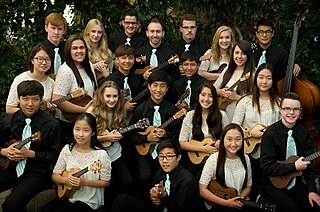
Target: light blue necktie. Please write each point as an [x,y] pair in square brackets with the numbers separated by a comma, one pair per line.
[57,60]
[153,58]
[187,99]
[167,185]
[26,133]
[126,87]
[128,41]
[291,150]
[262,58]
[186,47]
[156,123]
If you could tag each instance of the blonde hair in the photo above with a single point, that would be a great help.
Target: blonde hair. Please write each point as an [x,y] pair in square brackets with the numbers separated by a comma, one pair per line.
[102,52]
[99,110]
[215,49]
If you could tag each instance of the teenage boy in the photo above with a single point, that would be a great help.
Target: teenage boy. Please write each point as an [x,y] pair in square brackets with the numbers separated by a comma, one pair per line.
[188,41]
[191,82]
[127,81]
[268,52]
[55,26]
[157,110]
[130,34]
[32,173]
[174,188]
[280,141]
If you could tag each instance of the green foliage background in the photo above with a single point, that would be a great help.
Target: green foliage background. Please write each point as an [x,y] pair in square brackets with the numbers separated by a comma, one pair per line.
[22,25]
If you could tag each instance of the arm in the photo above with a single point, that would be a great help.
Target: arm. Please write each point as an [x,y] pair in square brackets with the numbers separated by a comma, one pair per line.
[70,107]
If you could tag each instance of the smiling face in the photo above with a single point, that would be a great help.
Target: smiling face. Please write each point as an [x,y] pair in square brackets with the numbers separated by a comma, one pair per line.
[232,143]
[158,90]
[264,80]
[95,34]
[189,68]
[46,62]
[155,34]
[30,104]
[206,98]
[290,112]
[78,52]
[130,25]
[170,161]
[239,57]
[125,63]
[111,97]
[224,40]
[82,133]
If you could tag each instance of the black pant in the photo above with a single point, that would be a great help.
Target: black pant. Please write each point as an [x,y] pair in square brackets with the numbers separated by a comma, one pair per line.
[127,202]
[63,205]
[27,186]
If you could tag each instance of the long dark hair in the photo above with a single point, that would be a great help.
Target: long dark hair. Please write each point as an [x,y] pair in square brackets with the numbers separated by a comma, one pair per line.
[245,86]
[274,97]
[220,174]
[214,119]
[91,120]
[85,63]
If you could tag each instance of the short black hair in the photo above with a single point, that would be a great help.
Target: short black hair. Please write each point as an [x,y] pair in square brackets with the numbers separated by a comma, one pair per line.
[30,88]
[169,143]
[130,12]
[161,76]
[189,55]
[264,22]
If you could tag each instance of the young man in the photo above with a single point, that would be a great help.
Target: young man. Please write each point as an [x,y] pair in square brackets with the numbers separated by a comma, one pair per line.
[174,187]
[268,52]
[127,81]
[55,26]
[155,51]
[192,81]
[157,110]
[129,35]
[32,174]
[188,40]
[281,140]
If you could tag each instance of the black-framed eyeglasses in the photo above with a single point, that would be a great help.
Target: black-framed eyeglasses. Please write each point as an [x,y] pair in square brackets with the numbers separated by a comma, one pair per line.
[289,109]
[41,59]
[261,32]
[130,22]
[167,157]
[189,27]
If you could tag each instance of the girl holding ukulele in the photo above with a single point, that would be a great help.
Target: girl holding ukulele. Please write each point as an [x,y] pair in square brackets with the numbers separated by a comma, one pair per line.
[85,152]
[206,120]
[230,168]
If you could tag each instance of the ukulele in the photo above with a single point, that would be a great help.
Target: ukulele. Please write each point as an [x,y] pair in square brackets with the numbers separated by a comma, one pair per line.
[220,69]
[172,60]
[142,123]
[66,191]
[250,142]
[199,157]
[75,94]
[180,104]
[283,181]
[82,101]
[223,101]
[144,148]
[228,193]
[5,162]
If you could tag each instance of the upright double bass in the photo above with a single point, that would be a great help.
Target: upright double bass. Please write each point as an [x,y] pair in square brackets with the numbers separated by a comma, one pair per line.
[308,92]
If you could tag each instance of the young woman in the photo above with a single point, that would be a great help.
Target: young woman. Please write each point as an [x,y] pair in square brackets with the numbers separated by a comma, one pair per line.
[98,51]
[40,62]
[241,69]
[206,120]
[111,115]
[77,72]
[230,167]
[85,152]
[259,109]
[219,54]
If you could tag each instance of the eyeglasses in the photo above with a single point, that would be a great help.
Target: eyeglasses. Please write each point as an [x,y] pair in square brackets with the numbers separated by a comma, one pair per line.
[261,32]
[167,157]
[189,27]
[289,109]
[129,22]
[41,59]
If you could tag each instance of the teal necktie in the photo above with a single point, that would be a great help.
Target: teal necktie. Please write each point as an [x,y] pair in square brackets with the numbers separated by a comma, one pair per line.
[26,133]
[156,123]
[167,185]
[153,58]
[291,150]
[187,99]
[57,60]
[126,87]
[262,58]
